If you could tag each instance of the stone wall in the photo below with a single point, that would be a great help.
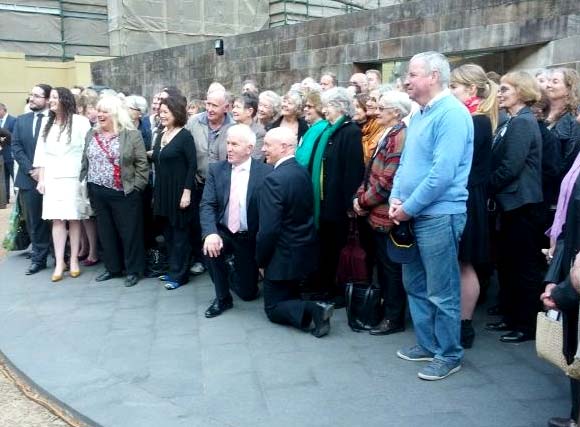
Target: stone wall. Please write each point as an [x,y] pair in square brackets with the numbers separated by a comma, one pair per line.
[277,57]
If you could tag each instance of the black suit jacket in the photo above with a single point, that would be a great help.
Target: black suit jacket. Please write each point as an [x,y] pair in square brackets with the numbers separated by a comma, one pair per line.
[516,165]
[286,244]
[216,195]
[23,146]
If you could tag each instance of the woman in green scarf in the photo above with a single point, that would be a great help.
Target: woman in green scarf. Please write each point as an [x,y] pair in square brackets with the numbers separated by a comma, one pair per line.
[337,168]
[315,119]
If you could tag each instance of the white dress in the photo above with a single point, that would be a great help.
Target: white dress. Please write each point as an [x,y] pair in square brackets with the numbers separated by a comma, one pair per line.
[64,197]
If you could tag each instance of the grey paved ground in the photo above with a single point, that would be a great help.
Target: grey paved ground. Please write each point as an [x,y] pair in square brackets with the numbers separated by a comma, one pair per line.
[147,357]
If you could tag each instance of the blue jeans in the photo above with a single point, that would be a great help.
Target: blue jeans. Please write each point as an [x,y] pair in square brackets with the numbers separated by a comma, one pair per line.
[433,285]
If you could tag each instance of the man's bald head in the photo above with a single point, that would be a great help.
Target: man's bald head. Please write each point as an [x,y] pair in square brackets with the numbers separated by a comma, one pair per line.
[360,82]
[278,143]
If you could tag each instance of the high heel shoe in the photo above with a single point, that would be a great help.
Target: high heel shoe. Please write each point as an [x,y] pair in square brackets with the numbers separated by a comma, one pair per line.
[56,277]
[75,273]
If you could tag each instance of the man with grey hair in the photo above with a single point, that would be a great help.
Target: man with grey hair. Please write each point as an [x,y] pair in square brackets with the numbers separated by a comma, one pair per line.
[430,189]
[7,122]
[286,241]
[328,81]
[229,219]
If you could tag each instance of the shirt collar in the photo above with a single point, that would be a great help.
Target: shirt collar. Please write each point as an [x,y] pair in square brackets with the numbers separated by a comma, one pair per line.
[244,166]
[204,120]
[282,160]
[445,92]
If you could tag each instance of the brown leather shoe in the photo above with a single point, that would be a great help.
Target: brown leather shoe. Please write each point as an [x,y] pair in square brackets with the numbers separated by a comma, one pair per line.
[387,327]
[561,422]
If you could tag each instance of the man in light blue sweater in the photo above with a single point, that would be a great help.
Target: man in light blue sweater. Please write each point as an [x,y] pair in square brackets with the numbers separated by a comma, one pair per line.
[430,189]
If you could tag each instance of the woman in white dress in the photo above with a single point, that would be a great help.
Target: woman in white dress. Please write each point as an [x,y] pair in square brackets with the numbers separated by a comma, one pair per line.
[58,155]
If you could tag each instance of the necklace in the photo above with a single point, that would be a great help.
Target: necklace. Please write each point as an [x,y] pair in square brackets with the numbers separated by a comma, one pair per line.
[168,136]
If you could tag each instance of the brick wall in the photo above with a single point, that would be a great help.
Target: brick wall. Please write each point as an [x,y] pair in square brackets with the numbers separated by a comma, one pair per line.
[278,57]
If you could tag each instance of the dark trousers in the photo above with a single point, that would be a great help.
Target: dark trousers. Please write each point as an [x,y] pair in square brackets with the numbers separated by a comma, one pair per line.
[38,229]
[151,228]
[283,305]
[390,277]
[196,242]
[520,265]
[178,242]
[120,228]
[8,173]
[333,236]
[245,280]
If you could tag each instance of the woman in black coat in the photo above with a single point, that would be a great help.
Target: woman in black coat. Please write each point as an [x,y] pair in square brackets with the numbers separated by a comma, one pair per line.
[516,186]
[337,168]
[175,166]
[559,293]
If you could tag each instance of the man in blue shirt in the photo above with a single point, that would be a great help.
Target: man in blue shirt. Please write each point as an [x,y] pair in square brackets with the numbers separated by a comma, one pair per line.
[430,189]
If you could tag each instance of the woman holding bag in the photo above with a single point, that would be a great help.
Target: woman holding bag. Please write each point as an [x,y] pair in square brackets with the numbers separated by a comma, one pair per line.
[372,202]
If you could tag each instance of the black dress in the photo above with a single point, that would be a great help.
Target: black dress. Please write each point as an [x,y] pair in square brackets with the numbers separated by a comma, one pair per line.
[175,167]
[474,246]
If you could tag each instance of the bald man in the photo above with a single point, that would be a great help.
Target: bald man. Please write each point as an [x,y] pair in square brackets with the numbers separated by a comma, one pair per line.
[286,246]
[359,82]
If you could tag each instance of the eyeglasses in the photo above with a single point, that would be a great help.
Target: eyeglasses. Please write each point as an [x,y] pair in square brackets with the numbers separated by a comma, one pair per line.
[33,95]
[381,109]
[309,106]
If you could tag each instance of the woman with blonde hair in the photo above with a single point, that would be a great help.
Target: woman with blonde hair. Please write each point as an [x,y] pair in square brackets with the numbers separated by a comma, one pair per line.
[115,166]
[470,85]
[515,185]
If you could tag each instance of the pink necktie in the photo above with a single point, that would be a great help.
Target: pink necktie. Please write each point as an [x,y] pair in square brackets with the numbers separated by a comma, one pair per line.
[234,205]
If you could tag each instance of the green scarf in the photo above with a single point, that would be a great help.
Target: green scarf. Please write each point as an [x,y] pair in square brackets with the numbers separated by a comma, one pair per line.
[304,152]
[317,172]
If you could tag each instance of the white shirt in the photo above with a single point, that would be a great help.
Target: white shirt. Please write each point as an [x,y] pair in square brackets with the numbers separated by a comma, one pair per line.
[283,159]
[241,174]
[445,92]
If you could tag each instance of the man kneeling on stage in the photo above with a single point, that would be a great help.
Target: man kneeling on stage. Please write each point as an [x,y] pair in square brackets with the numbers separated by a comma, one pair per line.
[286,246]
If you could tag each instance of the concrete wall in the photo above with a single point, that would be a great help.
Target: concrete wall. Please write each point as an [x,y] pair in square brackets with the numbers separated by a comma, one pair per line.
[278,57]
[18,76]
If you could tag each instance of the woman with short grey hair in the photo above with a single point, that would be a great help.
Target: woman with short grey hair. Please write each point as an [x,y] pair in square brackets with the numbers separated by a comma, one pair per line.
[372,203]
[269,105]
[137,107]
[291,114]
[336,166]
[340,99]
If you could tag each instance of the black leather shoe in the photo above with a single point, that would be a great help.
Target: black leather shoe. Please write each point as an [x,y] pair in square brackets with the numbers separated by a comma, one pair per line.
[387,327]
[131,280]
[515,337]
[106,275]
[561,422]
[321,314]
[497,326]
[35,268]
[217,307]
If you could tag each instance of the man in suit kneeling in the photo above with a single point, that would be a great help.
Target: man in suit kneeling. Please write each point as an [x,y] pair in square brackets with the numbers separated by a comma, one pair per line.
[229,219]
[286,245]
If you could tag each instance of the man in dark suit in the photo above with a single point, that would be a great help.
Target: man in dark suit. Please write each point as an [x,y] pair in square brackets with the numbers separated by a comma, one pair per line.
[7,122]
[229,219]
[26,133]
[286,244]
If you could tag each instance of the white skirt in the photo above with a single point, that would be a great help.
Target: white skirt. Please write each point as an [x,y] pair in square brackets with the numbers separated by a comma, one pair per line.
[64,199]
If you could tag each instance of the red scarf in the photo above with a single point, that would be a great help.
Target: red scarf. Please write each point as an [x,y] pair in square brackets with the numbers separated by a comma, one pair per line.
[116,167]
[472,104]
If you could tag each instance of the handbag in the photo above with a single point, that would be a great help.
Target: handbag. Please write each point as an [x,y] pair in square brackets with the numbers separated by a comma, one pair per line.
[17,238]
[550,339]
[352,263]
[364,306]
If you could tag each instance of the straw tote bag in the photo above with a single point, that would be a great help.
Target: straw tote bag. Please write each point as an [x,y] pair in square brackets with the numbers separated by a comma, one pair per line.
[550,338]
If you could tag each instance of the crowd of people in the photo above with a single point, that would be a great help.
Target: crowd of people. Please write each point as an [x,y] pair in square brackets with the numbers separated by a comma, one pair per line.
[480,169]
